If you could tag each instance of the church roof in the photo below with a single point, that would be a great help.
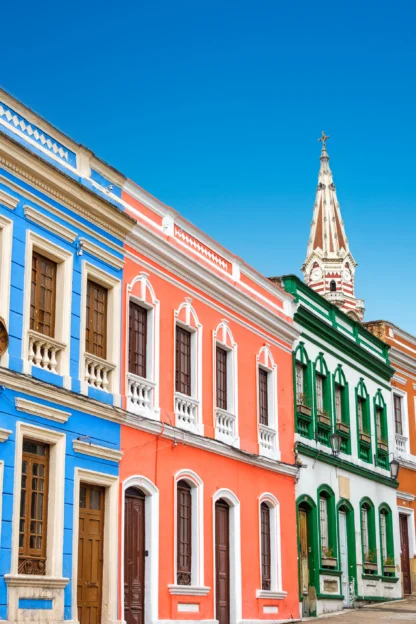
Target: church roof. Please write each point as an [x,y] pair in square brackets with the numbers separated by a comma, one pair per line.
[327,239]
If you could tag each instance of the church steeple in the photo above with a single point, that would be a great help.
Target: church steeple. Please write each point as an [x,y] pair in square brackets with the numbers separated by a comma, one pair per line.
[329,267]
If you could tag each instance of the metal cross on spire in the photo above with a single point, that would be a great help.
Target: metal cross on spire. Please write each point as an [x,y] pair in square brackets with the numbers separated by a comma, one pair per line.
[324,139]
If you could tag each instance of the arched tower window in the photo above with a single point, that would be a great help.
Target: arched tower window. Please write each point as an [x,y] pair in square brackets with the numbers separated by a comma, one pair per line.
[332,286]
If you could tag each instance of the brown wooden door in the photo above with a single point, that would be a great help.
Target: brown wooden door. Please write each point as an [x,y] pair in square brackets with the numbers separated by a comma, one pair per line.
[404,547]
[134,554]
[90,553]
[222,562]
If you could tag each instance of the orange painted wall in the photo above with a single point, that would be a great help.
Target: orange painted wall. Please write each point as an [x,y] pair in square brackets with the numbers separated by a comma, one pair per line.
[159,459]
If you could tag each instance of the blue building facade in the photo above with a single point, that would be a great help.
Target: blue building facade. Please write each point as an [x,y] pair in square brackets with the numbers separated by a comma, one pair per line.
[62,229]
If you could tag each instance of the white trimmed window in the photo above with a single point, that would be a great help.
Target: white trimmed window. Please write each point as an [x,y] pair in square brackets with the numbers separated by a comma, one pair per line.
[270,553]
[142,358]
[37,528]
[338,403]
[188,368]
[319,392]
[300,380]
[100,331]
[323,518]
[6,237]
[267,408]
[383,535]
[225,385]
[189,535]
[46,324]
[400,419]
[364,525]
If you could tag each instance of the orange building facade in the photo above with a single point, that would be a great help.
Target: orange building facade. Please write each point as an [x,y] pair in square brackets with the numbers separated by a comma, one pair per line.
[207,480]
[403,359]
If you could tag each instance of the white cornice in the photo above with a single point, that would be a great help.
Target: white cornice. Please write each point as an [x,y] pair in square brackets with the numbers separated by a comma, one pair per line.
[188,590]
[5,434]
[148,243]
[405,496]
[398,379]
[56,184]
[276,595]
[32,580]
[8,200]
[43,411]
[102,254]
[208,444]
[66,398]
[102,452]
[403,360]
[50,224]
[407,463]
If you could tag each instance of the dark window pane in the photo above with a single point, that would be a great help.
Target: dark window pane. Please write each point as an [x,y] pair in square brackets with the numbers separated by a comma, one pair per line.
[263,397]
[183,361]
[137,339]
[221,369]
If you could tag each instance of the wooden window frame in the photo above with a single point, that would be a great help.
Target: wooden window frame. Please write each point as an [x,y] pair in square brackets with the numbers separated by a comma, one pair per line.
[221,372]
[184,526]
[90,322]
[32,560]
[36,310]
[183,387]
[398,408]
[140,369]
[266,550]
[264,376]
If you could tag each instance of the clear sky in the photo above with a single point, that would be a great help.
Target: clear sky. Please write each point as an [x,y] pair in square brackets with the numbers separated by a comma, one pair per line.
[216,106]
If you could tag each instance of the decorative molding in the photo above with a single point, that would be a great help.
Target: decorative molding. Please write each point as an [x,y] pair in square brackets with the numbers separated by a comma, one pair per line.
[343,464]
[401,380]
[66,398]
[273,595]
[8,200]
[145,241]
[209,445]
[43,411]
[32,580]
[94,450]
[35,135]
[405,496]
[48,179]
[102,254]
[410,464]
[5,434]
[50,224]
[198,247]
[188,590]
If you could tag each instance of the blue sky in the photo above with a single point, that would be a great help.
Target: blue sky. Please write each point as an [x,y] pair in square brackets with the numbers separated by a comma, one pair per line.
[216,107]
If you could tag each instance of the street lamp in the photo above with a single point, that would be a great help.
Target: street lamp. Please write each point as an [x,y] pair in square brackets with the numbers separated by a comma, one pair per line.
[394,468]
[335,440]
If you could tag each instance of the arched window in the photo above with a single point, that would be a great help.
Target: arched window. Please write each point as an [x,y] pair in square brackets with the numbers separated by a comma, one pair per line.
[184,533]
[386,540]
[332,286]
[270,562]
[368,537]
[327,527]
[380,416]
[363,422]
[265,546]
[225,385]
[323,400]
[268,426]
[342,411]
[303,392]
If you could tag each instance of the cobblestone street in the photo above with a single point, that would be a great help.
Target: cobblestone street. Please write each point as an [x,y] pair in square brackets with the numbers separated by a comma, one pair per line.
[401,611]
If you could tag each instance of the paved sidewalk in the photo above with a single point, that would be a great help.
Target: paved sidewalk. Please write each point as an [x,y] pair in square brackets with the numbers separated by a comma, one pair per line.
[388,612]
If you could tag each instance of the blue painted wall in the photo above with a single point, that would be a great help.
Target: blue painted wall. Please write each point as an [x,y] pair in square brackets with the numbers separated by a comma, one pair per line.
[99,431]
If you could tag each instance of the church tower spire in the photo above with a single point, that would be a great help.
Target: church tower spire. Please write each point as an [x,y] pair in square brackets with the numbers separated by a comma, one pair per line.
[329,267]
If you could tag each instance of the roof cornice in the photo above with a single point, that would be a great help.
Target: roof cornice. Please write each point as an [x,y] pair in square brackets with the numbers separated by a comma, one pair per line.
[48,179]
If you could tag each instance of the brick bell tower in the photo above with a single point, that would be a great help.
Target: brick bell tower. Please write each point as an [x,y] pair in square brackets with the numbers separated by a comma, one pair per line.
[329,267]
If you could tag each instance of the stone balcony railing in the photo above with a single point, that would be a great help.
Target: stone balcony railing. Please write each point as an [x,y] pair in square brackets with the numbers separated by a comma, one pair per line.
[401,444]
[267,440]
[140,395]
[225,426]
[98,372]
[186,411]
[44,352]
